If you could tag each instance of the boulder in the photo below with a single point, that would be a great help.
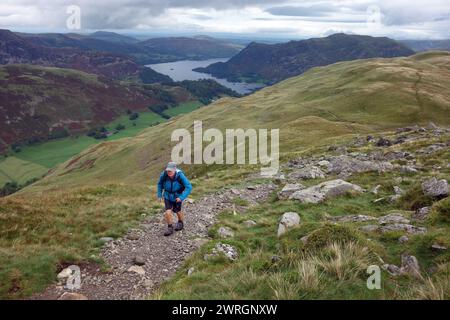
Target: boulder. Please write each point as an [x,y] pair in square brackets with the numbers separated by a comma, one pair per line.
[325,190]
[392,218]
[438,247]
[369,228]
[225,232]
[403,227]
[191,271]
[376,189]
[346,164]
[421,213]
[229,251]
[309,172]
[288,220]
[392,269]
[137,269]
[289,189]
[71,276]
[403,239]
[353,218]
[250,223]
[435,188]
[139,260]
[410,265]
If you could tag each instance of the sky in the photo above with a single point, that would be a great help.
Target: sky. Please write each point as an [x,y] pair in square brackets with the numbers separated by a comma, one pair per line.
[399,19]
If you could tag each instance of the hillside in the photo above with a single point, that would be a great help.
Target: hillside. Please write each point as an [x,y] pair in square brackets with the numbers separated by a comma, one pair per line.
[426,45]
[38,103]
[155,50]
[104,191]
[273,63]
[65,52]
[325,102]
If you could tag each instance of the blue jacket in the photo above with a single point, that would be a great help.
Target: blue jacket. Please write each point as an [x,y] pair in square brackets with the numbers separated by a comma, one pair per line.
[172,187]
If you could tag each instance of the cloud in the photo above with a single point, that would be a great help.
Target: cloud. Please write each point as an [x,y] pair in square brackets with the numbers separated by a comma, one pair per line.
[313,11]
[295,18]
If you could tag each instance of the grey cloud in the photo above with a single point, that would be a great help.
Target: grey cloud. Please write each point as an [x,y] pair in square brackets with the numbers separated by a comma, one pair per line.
[312,11]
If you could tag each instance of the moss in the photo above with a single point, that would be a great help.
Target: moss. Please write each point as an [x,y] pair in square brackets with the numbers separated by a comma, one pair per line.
[328,234]
[414,198]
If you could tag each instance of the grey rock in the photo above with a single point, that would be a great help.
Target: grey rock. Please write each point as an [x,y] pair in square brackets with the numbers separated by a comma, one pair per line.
[392,218]
[353,218]
[376,189]
[325,190]
[225,232]
[435,188]
[410,265]
[139,260]
[422,213]
[229,251]
[250,223]
[275,259]
[369,228]
[137,269]
[346,164]
[288,220]
[309,172]
[289,189]
[106,239]
[398,190]
[403,227]
[392,269]
[438,247]
[191,271]
[408,169]
[403,239]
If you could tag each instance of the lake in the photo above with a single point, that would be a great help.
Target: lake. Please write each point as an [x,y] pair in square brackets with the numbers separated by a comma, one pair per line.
[182,70]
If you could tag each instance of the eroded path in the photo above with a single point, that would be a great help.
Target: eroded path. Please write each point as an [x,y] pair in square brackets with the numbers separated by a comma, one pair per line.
[162,255]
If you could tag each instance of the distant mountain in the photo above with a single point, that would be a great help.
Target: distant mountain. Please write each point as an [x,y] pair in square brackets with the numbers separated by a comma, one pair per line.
[113,37]
[426,45]
[150,51]
[195,48]
[37,103]
[275,62]
[65,51]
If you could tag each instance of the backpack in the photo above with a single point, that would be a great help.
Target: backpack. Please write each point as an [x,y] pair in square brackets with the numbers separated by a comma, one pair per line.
[178,179]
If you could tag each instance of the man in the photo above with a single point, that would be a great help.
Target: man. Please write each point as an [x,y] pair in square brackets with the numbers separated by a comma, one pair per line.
[176,189]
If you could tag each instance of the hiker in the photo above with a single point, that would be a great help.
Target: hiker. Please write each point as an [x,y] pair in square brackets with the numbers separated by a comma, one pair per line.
[176,188]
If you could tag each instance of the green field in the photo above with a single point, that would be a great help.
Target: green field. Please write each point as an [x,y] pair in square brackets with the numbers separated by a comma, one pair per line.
[15,169]
[183,108]
[34,161]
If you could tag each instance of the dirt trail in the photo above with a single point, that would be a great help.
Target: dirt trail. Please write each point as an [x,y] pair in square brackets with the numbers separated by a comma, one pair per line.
[162,255]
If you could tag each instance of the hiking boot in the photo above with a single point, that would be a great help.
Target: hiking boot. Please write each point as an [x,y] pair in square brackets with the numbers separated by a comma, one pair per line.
[180,226]
[169,231]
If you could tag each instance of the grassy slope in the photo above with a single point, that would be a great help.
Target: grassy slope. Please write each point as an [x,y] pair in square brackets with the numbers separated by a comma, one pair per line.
[307,271]
[37,159]
[315,108]
[105,188]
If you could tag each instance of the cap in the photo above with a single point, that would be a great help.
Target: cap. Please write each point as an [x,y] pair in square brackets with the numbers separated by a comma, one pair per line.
[171,166]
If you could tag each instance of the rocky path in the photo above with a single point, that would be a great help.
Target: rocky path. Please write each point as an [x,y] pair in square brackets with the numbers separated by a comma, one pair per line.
[144,258]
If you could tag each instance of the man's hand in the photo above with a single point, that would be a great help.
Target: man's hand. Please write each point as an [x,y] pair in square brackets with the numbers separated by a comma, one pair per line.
[160,199]
[178,200]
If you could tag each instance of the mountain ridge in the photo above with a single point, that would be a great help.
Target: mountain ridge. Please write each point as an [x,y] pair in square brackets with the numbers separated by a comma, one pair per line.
[275,62]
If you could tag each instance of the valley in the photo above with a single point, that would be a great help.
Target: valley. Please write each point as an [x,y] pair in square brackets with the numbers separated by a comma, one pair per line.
[327,112]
